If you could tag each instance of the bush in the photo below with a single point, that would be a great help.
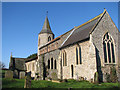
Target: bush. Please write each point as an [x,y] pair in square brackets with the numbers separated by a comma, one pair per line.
[65,80]
[107,77]
[113,75]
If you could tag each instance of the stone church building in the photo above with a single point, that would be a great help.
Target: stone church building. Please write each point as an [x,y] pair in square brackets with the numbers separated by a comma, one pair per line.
[81,52]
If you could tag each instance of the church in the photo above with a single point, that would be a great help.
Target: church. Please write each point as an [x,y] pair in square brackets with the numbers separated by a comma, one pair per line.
[81,52]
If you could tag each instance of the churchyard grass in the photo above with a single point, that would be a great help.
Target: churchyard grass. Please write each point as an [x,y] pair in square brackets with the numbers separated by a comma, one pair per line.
[19,83]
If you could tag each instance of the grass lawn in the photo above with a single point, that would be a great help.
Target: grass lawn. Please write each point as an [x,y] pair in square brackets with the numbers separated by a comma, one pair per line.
[19,83]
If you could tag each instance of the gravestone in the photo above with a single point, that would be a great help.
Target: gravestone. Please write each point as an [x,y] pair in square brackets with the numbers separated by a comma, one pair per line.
[22,75]
[15,74]
[27,83]
[96,78]
[9,74]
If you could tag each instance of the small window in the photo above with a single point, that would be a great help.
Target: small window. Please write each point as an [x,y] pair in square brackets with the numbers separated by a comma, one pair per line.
[51,63]
[49,38]
[77,56]
[64,57]
[48,64]
[80,55]
[55,64]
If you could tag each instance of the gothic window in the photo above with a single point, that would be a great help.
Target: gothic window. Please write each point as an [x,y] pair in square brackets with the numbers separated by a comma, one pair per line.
[108,47]
[64,56]
[51,63]
[78,55]
[48,64]
[55,64]
[49,38]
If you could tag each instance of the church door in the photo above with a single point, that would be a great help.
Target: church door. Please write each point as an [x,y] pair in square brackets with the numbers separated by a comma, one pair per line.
[72,71]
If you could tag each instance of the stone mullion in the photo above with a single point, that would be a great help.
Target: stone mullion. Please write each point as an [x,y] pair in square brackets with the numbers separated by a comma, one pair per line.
[111,53]
[107,52]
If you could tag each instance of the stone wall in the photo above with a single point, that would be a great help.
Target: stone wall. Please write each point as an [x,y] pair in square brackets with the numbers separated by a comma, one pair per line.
[31,66]
[104,26]
[50,51]
[88,66]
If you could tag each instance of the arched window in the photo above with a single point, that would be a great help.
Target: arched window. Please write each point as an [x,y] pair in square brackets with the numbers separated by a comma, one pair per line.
[64,56]
[108,47]
[51,63]
[55,64]
[78,55]
[49,38]
[48,64]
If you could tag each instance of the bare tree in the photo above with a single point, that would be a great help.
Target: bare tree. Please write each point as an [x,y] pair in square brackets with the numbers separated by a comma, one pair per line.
[2,65]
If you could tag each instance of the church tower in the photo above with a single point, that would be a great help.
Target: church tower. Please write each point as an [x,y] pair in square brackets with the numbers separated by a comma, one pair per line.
[46,34]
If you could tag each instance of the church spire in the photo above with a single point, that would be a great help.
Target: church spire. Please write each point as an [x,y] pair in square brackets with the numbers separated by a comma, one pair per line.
[46,27]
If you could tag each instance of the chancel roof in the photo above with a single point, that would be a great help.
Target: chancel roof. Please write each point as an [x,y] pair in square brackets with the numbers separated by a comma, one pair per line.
[81,32]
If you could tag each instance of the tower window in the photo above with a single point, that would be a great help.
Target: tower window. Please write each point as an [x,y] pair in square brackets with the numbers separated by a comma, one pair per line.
[49,38]
[108,47]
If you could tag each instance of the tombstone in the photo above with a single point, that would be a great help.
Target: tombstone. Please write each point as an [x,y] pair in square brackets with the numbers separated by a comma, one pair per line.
[22,75]
[15,74]
[9,74]
[96,78]
[27,83]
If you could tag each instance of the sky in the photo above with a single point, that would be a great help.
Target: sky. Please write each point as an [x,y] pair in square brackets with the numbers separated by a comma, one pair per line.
[22,21]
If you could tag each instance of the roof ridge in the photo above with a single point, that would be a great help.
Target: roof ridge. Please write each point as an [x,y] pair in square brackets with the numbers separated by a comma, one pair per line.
[102,14]
[89,21]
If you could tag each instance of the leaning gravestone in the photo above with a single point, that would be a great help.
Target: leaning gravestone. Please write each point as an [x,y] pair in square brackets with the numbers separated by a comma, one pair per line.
[27,83]
[22,75]
[9,74]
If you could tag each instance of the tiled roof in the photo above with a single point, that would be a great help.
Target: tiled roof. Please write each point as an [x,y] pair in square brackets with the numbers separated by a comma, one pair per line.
[81,32]
[31,59]
[57,38]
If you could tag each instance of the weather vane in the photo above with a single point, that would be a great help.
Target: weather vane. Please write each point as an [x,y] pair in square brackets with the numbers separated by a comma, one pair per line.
[47,13]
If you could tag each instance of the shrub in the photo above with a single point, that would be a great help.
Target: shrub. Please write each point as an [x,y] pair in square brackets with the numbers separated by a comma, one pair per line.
[113,75]
[65,80]
[54,76]
[107,77]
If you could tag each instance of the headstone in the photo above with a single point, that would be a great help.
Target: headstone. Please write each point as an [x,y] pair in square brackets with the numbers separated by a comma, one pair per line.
[27,83]
[15,74]
[22,75]
[96,78]
[9,74]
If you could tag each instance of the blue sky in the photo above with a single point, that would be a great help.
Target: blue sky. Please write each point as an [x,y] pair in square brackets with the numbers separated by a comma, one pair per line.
[21,22]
